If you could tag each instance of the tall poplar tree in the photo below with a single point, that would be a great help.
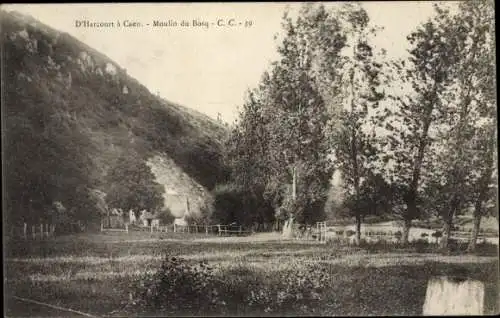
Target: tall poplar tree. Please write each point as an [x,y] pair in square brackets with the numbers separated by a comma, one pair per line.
[418,111]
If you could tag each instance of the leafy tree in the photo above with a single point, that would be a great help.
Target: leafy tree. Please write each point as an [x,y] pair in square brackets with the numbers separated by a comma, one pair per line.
[360,94]
[374,198]
[47,157]
[298,147]
[474,133]
[484,191]
[165,216]
[418,108]
[468,115]
[280,142]
[236,204]
[206,211]
[229,206]
[481,62]
[131,186]
[246,152]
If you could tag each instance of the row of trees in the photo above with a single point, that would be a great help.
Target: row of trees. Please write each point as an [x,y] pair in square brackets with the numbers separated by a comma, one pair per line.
[413,137]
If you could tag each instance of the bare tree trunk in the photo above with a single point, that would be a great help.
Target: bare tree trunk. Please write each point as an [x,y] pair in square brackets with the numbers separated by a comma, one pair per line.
[109,219]
[405,237]
[482,195]
[358,230]
[411,211]
[288,229]
[475,229]
[446,233]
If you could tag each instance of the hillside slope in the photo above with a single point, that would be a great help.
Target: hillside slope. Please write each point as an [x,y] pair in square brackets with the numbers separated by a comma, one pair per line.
[69,112]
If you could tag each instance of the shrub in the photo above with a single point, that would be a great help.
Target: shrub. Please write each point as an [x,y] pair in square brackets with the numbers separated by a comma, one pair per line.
[297,289]
[350,233]
[437,234]
[420,245]
[178,287]
[165,216]
[236,204]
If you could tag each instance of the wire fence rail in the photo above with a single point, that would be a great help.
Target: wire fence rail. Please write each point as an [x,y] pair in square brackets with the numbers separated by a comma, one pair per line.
[31,301]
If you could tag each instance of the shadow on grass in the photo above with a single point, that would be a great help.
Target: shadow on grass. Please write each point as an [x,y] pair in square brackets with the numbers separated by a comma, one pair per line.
[454,248]
[348,291]
[345,290]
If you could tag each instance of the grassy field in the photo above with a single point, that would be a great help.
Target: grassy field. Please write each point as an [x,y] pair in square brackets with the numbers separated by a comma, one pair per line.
[93,273]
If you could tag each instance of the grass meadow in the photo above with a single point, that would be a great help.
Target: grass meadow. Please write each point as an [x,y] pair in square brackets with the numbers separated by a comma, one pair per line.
[95,273]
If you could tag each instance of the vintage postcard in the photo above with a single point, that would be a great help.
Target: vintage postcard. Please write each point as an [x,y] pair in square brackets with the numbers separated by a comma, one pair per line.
[249,159]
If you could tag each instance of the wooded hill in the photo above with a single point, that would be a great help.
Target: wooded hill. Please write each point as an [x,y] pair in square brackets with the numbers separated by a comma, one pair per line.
[70,114]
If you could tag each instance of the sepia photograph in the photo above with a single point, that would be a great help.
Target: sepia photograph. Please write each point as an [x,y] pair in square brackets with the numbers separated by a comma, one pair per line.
[260,159]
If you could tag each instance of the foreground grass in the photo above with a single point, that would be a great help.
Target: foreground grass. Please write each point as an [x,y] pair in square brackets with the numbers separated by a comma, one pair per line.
[93,273]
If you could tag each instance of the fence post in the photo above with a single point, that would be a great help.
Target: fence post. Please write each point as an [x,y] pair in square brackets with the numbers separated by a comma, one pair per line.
[33,234]
[126,227]
[151,227]
[102,226]
[25,231]
[206,229]
[175,230]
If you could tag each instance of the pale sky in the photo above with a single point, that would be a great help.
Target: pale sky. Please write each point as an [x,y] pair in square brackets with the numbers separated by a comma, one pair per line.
[208,69]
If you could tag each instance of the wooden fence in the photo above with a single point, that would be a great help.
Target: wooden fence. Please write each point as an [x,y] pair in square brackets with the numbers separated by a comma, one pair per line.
[34,231]
[207,229]
[218,229]
[310,232]
[114,229]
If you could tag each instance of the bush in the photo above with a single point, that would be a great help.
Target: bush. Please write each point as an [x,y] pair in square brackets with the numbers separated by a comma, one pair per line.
[181,288]
[297,289]
[437,234]
[235,204]
[166,216]
[178,287]
[420,245]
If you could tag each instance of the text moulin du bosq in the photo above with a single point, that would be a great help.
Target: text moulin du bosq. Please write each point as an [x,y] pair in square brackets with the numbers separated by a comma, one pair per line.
[226,22]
